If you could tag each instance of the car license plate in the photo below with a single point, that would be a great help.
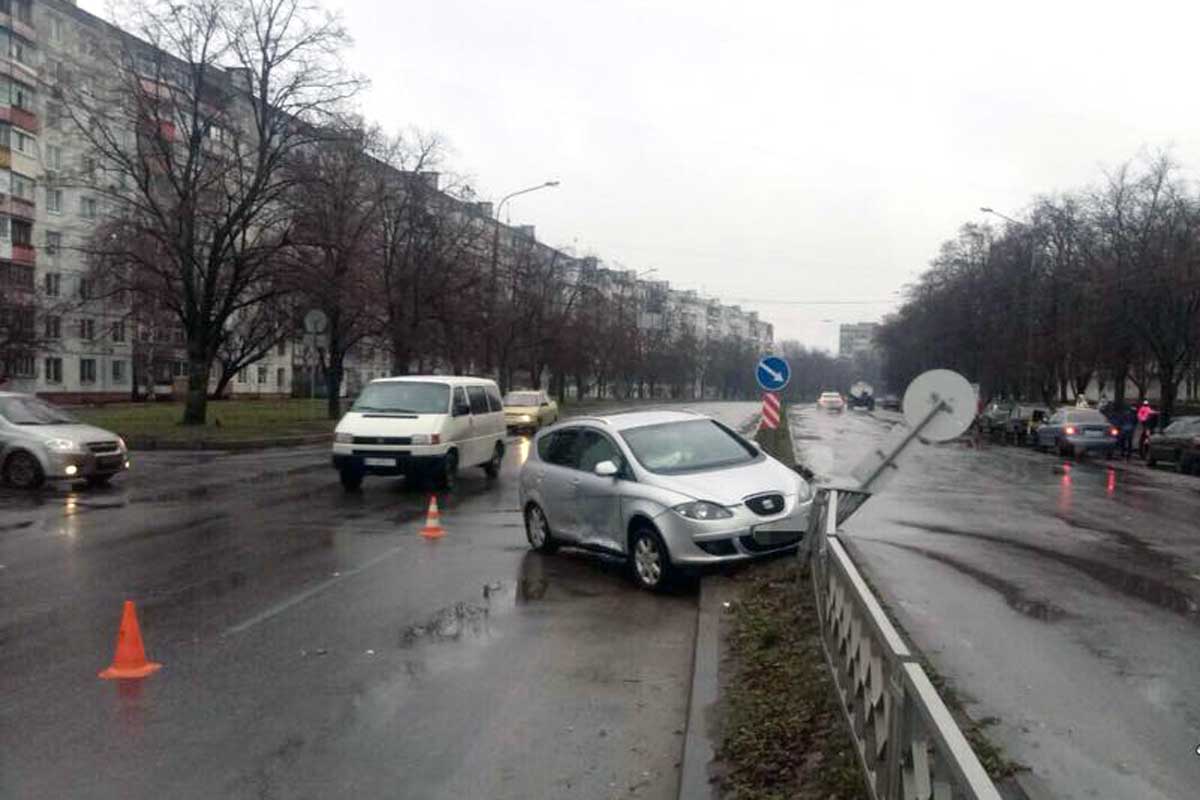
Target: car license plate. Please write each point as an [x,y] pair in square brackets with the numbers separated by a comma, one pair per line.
[380,462]
[1093,434]
[769,537]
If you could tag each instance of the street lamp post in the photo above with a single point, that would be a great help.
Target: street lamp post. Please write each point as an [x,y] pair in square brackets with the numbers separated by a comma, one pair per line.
[491,317]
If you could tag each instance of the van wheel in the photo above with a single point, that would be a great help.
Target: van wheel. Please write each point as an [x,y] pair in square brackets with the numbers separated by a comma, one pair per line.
[649,560]
[537,530]
[23,471]
[448,474]
[492,467]
[351,479]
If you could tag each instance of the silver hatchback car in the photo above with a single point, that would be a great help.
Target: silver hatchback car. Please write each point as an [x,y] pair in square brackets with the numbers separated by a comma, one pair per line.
[39,442]
[667,489]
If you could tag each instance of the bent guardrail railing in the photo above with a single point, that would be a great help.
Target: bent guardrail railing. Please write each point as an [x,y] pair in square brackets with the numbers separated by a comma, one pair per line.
[908,744]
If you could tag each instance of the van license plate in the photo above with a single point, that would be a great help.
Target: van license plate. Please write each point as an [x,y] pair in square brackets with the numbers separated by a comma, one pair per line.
[380,462]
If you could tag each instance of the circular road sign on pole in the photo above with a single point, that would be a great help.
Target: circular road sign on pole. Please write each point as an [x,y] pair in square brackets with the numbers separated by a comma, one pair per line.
[773,373]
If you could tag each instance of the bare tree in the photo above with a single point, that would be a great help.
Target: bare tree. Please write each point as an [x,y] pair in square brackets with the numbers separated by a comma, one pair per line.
[192,155]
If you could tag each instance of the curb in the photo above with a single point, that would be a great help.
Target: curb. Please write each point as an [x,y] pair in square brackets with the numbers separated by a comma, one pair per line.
[136,443]
[699,744]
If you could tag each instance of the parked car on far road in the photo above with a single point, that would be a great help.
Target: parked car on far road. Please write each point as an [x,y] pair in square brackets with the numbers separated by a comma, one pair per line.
[1078,431]
[890,402]
[40,442]
[994,418]
[1178,443]
[665,489]
[831,401]
[529,410]
[421,425]
[1022,421]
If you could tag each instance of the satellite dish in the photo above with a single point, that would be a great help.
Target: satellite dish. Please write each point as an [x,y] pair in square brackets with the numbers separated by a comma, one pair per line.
[949,395]
[315,322]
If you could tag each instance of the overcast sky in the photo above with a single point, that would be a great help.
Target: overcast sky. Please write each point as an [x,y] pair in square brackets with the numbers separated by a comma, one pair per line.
[779,151]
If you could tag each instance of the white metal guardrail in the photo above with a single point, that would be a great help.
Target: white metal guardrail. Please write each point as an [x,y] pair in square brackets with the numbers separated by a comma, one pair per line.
[907,740]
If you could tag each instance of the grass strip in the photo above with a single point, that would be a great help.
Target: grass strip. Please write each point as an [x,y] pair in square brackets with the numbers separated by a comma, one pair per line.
[784,735]
[228,420]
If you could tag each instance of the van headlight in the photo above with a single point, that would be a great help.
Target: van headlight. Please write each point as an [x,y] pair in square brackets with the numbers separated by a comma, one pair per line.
[702,509]
[426,438]
[805,491]
[343,438]
[62,445]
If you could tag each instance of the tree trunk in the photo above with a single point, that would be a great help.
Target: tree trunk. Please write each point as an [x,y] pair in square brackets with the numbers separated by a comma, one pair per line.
[195,410]
[333,387]
[222,382]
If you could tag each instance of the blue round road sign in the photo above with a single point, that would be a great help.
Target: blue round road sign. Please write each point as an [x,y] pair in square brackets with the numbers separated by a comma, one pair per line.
[773,373]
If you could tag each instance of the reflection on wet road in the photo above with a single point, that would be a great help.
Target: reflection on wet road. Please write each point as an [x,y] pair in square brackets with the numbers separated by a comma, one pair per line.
[1062,598]
[316,646]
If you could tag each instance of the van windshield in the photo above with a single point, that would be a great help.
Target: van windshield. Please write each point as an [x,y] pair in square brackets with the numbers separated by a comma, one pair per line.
[404,397]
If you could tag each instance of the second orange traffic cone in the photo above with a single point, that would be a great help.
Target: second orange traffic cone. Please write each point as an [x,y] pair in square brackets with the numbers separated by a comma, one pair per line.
[130,658]
[433,527]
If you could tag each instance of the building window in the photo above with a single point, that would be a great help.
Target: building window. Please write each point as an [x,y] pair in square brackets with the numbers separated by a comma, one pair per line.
[53,368]
[53,115]
[118,371]
[53,284]
[280,377]
[118,331]
[53,242]
[54,201]
[53,327]
[87,329]
[87,370]
[21,367]
[24,11]
[85,289]
[5,130]
[26,144]
[281,349]
[262,376]
[22,232]
[53,157]
[22,187]
[5,231]
[241,375]
[87,207]
[22,96]
[56,29]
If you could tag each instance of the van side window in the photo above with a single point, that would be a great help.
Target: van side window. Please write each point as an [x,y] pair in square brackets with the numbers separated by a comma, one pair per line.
[479,401]
[460,398]
[494,401]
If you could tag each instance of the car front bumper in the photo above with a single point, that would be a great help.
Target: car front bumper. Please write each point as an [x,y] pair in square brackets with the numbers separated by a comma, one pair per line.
[698,543]
[75,466]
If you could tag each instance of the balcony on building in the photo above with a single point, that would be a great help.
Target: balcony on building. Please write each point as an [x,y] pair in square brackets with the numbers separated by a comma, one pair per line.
[17,16]
[25,254]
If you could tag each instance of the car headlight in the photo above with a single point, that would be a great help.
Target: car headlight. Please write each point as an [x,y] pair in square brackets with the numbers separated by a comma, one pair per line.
[343,438]
[62,445]
[121,444]
[702,509]
[426,438]
[805,492]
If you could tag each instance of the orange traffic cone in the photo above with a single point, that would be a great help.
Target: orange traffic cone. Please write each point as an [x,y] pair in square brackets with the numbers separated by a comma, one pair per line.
[433,528]
[130,659]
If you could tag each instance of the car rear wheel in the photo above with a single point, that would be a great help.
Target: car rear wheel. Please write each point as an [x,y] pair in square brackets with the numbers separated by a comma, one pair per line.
[649,559]
[23,471]
[492,467]
[537,530]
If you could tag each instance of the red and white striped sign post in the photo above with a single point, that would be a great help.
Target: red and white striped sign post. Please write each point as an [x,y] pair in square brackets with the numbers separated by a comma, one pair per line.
[770,410]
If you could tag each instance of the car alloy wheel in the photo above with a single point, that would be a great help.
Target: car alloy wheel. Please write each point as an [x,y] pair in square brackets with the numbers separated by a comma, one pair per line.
[23,471]
[537,530]
[650,560]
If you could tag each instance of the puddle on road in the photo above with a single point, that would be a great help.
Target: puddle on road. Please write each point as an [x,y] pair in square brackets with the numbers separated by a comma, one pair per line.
[449,624]
[1151,590]
[1013,594]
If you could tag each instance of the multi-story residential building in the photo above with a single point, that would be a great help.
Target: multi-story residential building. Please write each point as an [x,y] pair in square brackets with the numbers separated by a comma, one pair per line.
[857,338]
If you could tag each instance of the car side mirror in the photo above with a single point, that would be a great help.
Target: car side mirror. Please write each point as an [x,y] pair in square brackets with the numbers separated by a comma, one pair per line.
[606,469]
[462,409]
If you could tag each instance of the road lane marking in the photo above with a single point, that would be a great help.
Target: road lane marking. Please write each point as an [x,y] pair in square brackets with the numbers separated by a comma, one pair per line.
[312,591]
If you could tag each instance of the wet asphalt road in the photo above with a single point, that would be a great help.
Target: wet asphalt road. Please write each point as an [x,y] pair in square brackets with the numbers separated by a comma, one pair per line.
[315,646]
[1061,598]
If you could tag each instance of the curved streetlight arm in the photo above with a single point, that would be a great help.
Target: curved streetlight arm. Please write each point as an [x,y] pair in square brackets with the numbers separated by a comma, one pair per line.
[507,197]
[1005,217]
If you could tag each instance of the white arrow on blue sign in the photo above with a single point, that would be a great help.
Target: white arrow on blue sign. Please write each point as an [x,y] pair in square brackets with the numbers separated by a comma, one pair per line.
[773,373]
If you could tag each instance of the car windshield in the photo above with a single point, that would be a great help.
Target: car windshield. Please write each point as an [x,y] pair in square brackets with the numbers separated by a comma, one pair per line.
[689,446]
[1183,425]
[404,397]
[522,399]
[32,411]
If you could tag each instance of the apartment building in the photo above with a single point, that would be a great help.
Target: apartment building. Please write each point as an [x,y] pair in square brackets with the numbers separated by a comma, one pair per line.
[857,338]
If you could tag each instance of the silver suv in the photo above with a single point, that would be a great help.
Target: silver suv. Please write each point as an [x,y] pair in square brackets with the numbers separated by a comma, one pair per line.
[667,489]
[40,442]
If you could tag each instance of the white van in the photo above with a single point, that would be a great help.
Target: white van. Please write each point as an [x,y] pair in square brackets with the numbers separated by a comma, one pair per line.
[421,425]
